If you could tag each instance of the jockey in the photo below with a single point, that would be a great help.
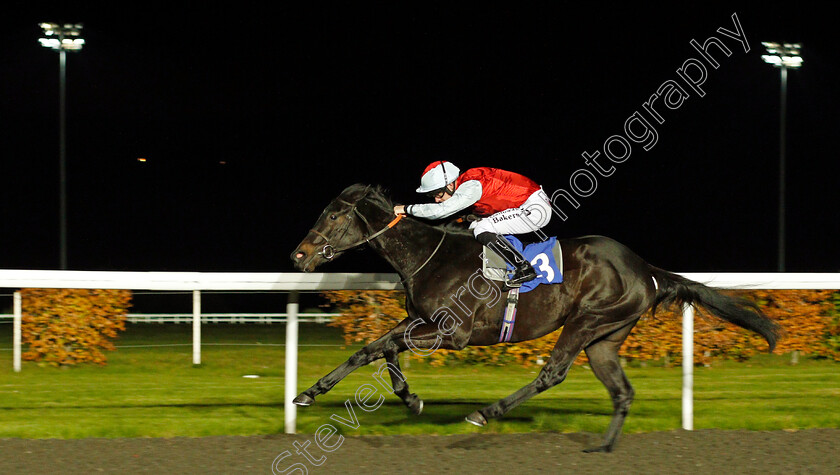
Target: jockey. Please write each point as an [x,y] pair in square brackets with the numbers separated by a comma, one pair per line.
[509,203]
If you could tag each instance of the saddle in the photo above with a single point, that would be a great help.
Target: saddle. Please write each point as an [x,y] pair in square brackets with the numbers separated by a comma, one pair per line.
[547,259]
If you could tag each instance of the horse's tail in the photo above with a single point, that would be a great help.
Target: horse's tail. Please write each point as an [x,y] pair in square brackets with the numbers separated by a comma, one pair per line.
[674,288]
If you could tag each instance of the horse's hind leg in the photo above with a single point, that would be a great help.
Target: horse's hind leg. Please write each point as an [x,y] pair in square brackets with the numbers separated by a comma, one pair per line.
[603,358]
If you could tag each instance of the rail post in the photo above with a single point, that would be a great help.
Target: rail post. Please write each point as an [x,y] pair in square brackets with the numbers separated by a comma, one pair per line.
[289,408]
[196,327]
[688,367]
[16,331]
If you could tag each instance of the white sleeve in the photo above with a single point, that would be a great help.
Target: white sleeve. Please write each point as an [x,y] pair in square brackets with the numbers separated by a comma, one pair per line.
[467,194]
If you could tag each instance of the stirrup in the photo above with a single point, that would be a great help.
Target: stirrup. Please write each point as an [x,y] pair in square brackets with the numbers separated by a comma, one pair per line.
[510,285]
[517,281]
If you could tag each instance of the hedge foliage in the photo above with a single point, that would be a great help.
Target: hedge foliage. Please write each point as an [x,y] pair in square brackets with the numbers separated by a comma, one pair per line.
[64,327]
[810,320]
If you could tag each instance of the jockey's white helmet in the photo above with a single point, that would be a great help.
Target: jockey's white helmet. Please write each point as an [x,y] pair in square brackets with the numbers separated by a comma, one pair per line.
[437,175]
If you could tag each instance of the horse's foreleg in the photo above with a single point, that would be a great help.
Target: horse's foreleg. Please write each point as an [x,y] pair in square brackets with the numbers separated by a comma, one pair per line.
[569,345]
[424,339]
[398,382]
[422,336]
[365,356]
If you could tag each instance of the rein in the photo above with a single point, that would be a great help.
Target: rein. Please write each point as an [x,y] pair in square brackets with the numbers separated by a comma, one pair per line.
[428,258]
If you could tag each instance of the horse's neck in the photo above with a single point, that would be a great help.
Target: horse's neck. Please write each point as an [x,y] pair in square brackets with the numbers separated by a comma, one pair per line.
[405,246]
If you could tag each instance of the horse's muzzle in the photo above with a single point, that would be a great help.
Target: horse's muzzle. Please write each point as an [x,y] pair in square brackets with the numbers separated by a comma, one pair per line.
[302,260]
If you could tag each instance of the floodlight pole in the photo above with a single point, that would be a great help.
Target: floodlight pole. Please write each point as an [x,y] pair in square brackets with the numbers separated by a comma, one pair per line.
[782,165]
[62,156]
[782,56]
[62,38]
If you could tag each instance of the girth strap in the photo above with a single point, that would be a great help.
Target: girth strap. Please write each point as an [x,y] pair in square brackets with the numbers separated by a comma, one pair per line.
[509,317]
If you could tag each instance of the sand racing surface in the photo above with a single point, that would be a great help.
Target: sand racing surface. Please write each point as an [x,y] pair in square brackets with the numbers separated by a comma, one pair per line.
[701,451]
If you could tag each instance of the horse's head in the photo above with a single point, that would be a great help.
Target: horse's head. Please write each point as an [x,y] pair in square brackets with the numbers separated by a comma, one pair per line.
[339,228]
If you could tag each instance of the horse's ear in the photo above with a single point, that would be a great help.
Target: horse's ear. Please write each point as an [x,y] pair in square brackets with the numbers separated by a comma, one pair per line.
[353,192]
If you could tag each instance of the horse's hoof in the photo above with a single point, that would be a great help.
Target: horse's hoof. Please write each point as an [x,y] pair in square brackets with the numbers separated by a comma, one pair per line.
[601,448]
[303,400]
[415,404]
[476,418]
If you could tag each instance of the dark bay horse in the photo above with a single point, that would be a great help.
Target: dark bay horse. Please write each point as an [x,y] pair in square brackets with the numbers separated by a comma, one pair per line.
[606,289]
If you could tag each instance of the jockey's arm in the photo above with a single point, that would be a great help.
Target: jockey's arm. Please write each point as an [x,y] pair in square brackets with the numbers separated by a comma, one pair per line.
[467,194]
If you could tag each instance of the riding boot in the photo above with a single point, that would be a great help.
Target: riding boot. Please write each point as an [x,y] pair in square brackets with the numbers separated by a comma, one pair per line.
[523,271]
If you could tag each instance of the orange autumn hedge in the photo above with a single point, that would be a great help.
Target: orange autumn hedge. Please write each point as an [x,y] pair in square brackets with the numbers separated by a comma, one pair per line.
[810,320]
[64,327]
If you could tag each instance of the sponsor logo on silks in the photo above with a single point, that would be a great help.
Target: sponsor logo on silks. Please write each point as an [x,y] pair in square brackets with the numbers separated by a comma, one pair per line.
[498,218]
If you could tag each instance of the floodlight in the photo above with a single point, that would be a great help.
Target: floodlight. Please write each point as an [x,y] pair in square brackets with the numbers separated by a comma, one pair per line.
[785,54]
[67,36]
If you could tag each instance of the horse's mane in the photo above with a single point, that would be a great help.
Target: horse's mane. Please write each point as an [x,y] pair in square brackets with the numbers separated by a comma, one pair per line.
[378,196]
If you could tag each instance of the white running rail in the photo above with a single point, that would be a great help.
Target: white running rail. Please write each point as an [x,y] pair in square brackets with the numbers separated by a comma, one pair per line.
[295,282]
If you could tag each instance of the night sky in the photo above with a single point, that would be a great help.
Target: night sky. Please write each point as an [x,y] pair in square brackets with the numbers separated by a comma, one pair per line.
[252,118]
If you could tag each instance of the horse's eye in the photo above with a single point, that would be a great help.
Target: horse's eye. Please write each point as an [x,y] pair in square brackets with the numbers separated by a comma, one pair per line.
[333,217]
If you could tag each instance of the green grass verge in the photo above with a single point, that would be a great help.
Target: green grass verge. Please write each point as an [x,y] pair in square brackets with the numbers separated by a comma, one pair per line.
[156,392]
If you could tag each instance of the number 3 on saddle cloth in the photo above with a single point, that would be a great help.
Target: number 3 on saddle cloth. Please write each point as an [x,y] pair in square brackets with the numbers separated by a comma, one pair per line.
[547,259]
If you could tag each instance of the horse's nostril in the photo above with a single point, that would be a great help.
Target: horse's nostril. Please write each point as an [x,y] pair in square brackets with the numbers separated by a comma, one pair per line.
[299,255]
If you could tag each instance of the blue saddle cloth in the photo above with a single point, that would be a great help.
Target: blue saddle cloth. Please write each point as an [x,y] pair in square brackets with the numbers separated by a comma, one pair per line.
[543,256]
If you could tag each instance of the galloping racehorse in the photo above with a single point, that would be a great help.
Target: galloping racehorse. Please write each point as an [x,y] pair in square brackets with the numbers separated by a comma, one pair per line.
[606,289]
